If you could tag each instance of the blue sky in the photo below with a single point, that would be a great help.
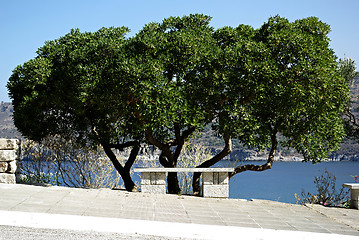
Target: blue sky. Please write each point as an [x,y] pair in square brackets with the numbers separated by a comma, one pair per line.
[26,24]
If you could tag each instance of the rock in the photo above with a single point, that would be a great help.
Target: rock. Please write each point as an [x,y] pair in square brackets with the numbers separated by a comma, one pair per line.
[3,167]
[12,167]
[9,144]
[8,155]
[7,178]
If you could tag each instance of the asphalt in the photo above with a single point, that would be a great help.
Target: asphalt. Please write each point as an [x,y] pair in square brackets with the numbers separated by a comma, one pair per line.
[168,216]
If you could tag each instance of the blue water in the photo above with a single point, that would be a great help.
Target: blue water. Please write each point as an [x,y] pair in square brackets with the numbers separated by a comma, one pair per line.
[284,179]
[287,178]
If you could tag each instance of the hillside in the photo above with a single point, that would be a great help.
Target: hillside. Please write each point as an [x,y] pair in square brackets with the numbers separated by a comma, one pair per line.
[7,128]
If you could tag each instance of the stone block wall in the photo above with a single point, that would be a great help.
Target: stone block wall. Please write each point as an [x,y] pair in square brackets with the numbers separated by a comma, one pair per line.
[215,184]
[152,182]
[9,157]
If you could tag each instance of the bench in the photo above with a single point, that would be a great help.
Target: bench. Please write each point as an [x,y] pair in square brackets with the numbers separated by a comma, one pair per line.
[214,180]
[354,194]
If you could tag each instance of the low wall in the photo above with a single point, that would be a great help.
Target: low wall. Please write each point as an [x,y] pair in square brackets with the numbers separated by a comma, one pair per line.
[9,156]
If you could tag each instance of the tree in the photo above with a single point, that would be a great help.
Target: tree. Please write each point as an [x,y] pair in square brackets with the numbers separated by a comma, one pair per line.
[201,81]
[233,85]
[176,77]
[303,94]
[347,70]
[288,84]
[180,51]
[71,89]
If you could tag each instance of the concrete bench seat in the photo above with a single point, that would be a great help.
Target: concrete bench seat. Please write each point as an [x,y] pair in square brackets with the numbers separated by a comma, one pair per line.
[214,180]
[354,193]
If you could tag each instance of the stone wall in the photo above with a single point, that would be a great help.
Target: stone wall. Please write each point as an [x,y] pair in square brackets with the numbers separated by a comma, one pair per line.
[9,156]
[215,184]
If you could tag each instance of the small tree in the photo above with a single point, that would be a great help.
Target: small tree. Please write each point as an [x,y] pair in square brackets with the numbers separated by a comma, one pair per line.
[347,70]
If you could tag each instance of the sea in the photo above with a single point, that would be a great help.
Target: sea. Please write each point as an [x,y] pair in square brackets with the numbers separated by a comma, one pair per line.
[284,179]
[288,178]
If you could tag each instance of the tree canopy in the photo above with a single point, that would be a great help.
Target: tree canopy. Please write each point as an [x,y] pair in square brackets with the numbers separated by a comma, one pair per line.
[303,94]
[174,78]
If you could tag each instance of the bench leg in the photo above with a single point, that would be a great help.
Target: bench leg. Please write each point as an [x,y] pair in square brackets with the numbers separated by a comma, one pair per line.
[153,182]
[354,196]
[215,184]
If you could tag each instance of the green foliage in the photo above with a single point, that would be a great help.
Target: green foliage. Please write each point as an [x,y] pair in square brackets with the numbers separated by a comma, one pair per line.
[302,95]
[169,58]
[347,69]
[326,194]
[174,78]
[39,178]
[67,88]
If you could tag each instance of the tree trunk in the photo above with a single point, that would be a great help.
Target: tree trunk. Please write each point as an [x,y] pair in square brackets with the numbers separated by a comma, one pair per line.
[172,183]
[226,150]
[267,165]
[128,182]
[168,158]
[172,179]
[123,171]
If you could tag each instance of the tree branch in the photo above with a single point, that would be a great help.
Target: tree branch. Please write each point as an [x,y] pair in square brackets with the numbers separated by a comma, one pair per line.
[112,157]
[180,139]
[133,155]
[178,133]
[267,165]
[226,150]
[152,140]
[188,132]
[163,160]
[352,118]
[247,99]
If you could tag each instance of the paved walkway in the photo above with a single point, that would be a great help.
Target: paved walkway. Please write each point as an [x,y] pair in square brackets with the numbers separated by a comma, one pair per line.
[171,216]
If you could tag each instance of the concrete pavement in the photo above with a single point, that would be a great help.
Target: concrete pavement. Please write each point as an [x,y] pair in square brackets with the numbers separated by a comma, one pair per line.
[170,216]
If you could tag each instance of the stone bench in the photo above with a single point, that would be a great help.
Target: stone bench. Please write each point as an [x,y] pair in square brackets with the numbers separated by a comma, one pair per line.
[354,194]
[214,180]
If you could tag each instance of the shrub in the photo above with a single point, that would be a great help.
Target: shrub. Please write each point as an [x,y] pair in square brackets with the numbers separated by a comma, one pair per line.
[59,162]
[193,154]
[326,194]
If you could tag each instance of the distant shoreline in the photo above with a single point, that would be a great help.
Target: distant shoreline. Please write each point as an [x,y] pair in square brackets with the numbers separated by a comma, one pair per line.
[344,158]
